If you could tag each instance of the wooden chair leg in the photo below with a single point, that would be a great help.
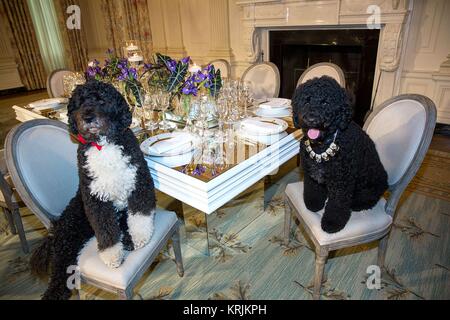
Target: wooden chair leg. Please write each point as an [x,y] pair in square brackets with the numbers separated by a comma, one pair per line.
[321,258]
[287,221]
[10,220]
[126,294]
[382,248]
[177,251]
[18,222]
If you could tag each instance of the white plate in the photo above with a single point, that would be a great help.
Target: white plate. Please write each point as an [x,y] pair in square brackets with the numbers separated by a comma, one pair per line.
[273,113]
[281,124]
[267,140]
[174,161]
[54,103]
[145,146]
[276,103]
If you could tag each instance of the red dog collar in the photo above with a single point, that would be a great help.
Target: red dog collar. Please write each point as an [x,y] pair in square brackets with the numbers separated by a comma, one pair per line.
[94,144]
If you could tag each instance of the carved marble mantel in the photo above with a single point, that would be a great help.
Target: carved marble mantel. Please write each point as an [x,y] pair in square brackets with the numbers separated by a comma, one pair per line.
[258,14]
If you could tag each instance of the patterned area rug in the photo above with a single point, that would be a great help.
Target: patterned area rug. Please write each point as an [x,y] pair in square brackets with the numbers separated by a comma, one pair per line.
[433,177]
[249,259]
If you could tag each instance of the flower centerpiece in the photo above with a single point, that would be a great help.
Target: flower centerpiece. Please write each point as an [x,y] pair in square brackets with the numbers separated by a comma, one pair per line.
[163,72]
[120,72]
[175,77]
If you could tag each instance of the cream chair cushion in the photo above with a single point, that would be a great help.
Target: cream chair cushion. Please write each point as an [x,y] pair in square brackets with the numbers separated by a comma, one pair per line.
[92,267]
[263,80]
[322,70]
[56,82]
[397,131]
[361,224]
[223,66]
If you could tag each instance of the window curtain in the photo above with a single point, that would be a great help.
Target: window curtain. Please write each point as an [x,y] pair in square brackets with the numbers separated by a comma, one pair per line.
[74,40]
[128,20]
[47,31]
[19,25]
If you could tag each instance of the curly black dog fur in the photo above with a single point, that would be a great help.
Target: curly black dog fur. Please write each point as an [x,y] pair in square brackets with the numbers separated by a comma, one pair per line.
[110,205]
[354,179]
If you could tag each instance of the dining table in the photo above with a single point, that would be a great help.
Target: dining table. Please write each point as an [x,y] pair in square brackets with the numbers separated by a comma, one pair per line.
[202,195]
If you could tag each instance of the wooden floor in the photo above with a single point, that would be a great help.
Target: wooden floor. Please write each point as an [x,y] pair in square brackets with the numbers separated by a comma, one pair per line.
[249,260]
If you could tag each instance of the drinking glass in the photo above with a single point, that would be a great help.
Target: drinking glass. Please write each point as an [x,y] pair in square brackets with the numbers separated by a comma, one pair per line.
[149,104]
[163,102]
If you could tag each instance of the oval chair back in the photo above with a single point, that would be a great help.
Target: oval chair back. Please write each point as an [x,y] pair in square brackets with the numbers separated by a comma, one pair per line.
[223,65]
[323,69]
[55,84]
[42,161]
[402,128]
[263,79]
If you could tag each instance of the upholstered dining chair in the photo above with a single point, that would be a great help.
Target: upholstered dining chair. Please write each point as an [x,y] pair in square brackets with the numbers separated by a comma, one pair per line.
[42,161]
[402,128]
[55,84]
[223,65]
[264,80]
[10,203]
[323,69]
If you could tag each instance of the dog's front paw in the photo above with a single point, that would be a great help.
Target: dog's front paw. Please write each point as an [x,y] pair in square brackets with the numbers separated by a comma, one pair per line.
[140,228]
[113,256]
[332,223]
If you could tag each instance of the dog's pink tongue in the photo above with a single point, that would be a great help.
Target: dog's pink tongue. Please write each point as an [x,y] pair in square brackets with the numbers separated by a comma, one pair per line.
[313,133]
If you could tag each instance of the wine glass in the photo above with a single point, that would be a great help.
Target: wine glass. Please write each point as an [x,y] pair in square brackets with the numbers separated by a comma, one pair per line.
[163,99]
[148,105]
[222,114]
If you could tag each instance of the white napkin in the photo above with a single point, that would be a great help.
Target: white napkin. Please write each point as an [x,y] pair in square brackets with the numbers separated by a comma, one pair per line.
[171,144]
[48,103]
[257,126]
[276,103]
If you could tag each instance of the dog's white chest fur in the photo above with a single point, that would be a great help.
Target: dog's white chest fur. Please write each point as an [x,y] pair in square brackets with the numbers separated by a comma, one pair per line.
[113,176]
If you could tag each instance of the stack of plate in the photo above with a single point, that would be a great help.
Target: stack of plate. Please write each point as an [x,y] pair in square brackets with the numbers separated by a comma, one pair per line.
[262,130]
[275,108]
[44,105]
[172,149]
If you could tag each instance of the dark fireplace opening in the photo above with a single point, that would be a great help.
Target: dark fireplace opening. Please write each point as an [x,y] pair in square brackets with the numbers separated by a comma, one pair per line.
[353,50]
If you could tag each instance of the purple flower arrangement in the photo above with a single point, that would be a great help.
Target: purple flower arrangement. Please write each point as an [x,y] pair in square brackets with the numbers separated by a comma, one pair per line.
[164,72]
[182,82]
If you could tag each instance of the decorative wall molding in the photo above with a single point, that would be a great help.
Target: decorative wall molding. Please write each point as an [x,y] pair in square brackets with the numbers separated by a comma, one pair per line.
[219,45]
[327,13]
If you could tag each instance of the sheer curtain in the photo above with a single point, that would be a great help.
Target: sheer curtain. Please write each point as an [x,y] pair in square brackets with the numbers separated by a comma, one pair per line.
[48,34]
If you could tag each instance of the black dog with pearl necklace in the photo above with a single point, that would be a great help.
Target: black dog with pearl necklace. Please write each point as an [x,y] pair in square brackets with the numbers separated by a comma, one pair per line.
[342,169]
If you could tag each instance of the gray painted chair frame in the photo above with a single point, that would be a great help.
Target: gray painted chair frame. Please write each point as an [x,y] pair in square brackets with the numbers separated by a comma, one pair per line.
[224,62]
[275,69]
[46,217]
[396,191]
[10,206]
[329,64]
[51,94]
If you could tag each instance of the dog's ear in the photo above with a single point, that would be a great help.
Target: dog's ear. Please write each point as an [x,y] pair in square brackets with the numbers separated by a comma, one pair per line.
[125,116]
[73,105]
[296,105]
[346,113]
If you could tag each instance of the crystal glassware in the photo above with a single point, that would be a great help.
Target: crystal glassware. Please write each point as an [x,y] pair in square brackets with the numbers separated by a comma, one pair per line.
[149,104]
[163,100]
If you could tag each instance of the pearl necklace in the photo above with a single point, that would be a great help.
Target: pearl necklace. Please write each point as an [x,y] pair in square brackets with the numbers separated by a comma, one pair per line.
[329,152]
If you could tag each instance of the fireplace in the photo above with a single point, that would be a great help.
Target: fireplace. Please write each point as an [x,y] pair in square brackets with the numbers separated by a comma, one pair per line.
[353,50]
